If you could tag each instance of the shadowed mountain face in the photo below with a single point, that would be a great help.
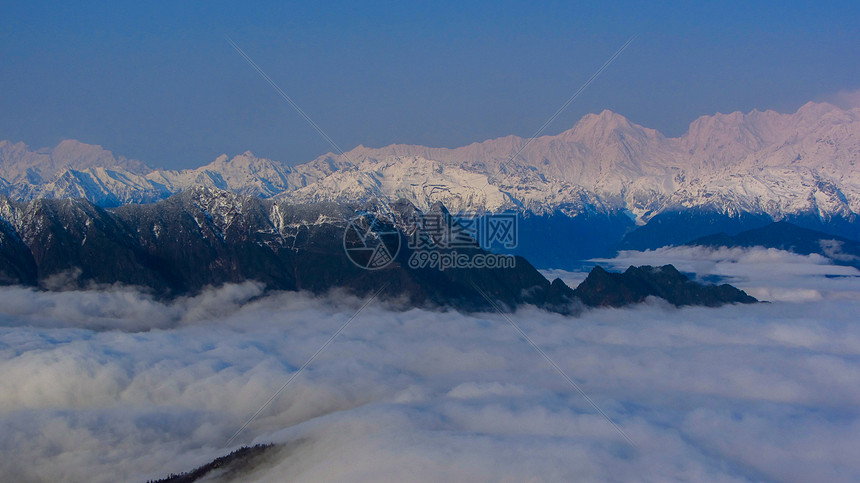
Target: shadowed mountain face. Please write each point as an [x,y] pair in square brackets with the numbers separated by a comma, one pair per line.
[792,238]
[16,261]
[606,289]
[233,466]
[207,237]
[678,227]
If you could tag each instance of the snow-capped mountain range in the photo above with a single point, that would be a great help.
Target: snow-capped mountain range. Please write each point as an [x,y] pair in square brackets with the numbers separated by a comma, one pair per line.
[803,163]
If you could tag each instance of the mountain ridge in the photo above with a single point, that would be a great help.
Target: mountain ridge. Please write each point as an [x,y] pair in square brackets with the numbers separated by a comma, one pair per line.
[786,236]
[208,237]
[761,162]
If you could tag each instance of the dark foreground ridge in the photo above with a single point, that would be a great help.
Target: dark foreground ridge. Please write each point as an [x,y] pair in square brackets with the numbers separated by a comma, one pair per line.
[206,237]
[606,289]
[225,468]
[789,237]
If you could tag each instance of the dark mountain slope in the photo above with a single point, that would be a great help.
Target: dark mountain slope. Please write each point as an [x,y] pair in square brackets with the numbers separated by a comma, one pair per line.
[232,467]
[205,237]
[679,227]
[602,288]
[789,237]
[76,240]
[16,262]
[676,227]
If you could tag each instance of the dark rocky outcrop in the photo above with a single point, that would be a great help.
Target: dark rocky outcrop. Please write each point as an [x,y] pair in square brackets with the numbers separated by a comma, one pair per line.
[606,289]
[789,237]
[231,467]
[205,237]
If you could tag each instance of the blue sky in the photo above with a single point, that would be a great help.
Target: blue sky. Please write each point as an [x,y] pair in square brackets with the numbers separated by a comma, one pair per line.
[158,81]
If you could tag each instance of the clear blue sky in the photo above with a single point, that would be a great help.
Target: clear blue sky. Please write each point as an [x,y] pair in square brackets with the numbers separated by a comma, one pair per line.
[158,81]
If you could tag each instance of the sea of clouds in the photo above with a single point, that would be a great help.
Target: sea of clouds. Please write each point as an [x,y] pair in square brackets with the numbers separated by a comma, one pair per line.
[112,385]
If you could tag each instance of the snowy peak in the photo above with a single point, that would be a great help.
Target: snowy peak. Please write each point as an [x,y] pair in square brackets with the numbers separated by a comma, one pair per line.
[75,154]
[759,162]
[815,112]
[246,161]
[21,163]
[714,142]
[595,130]
[245,174]
[756,162]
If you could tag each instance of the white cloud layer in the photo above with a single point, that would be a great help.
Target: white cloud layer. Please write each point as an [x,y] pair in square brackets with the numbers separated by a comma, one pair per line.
[114,386]
[765,273]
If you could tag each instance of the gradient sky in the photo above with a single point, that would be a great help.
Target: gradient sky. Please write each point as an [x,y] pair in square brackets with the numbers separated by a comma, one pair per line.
[158,81]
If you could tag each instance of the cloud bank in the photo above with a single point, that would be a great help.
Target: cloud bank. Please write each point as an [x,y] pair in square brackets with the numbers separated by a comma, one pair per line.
[111,385]
[765,273]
